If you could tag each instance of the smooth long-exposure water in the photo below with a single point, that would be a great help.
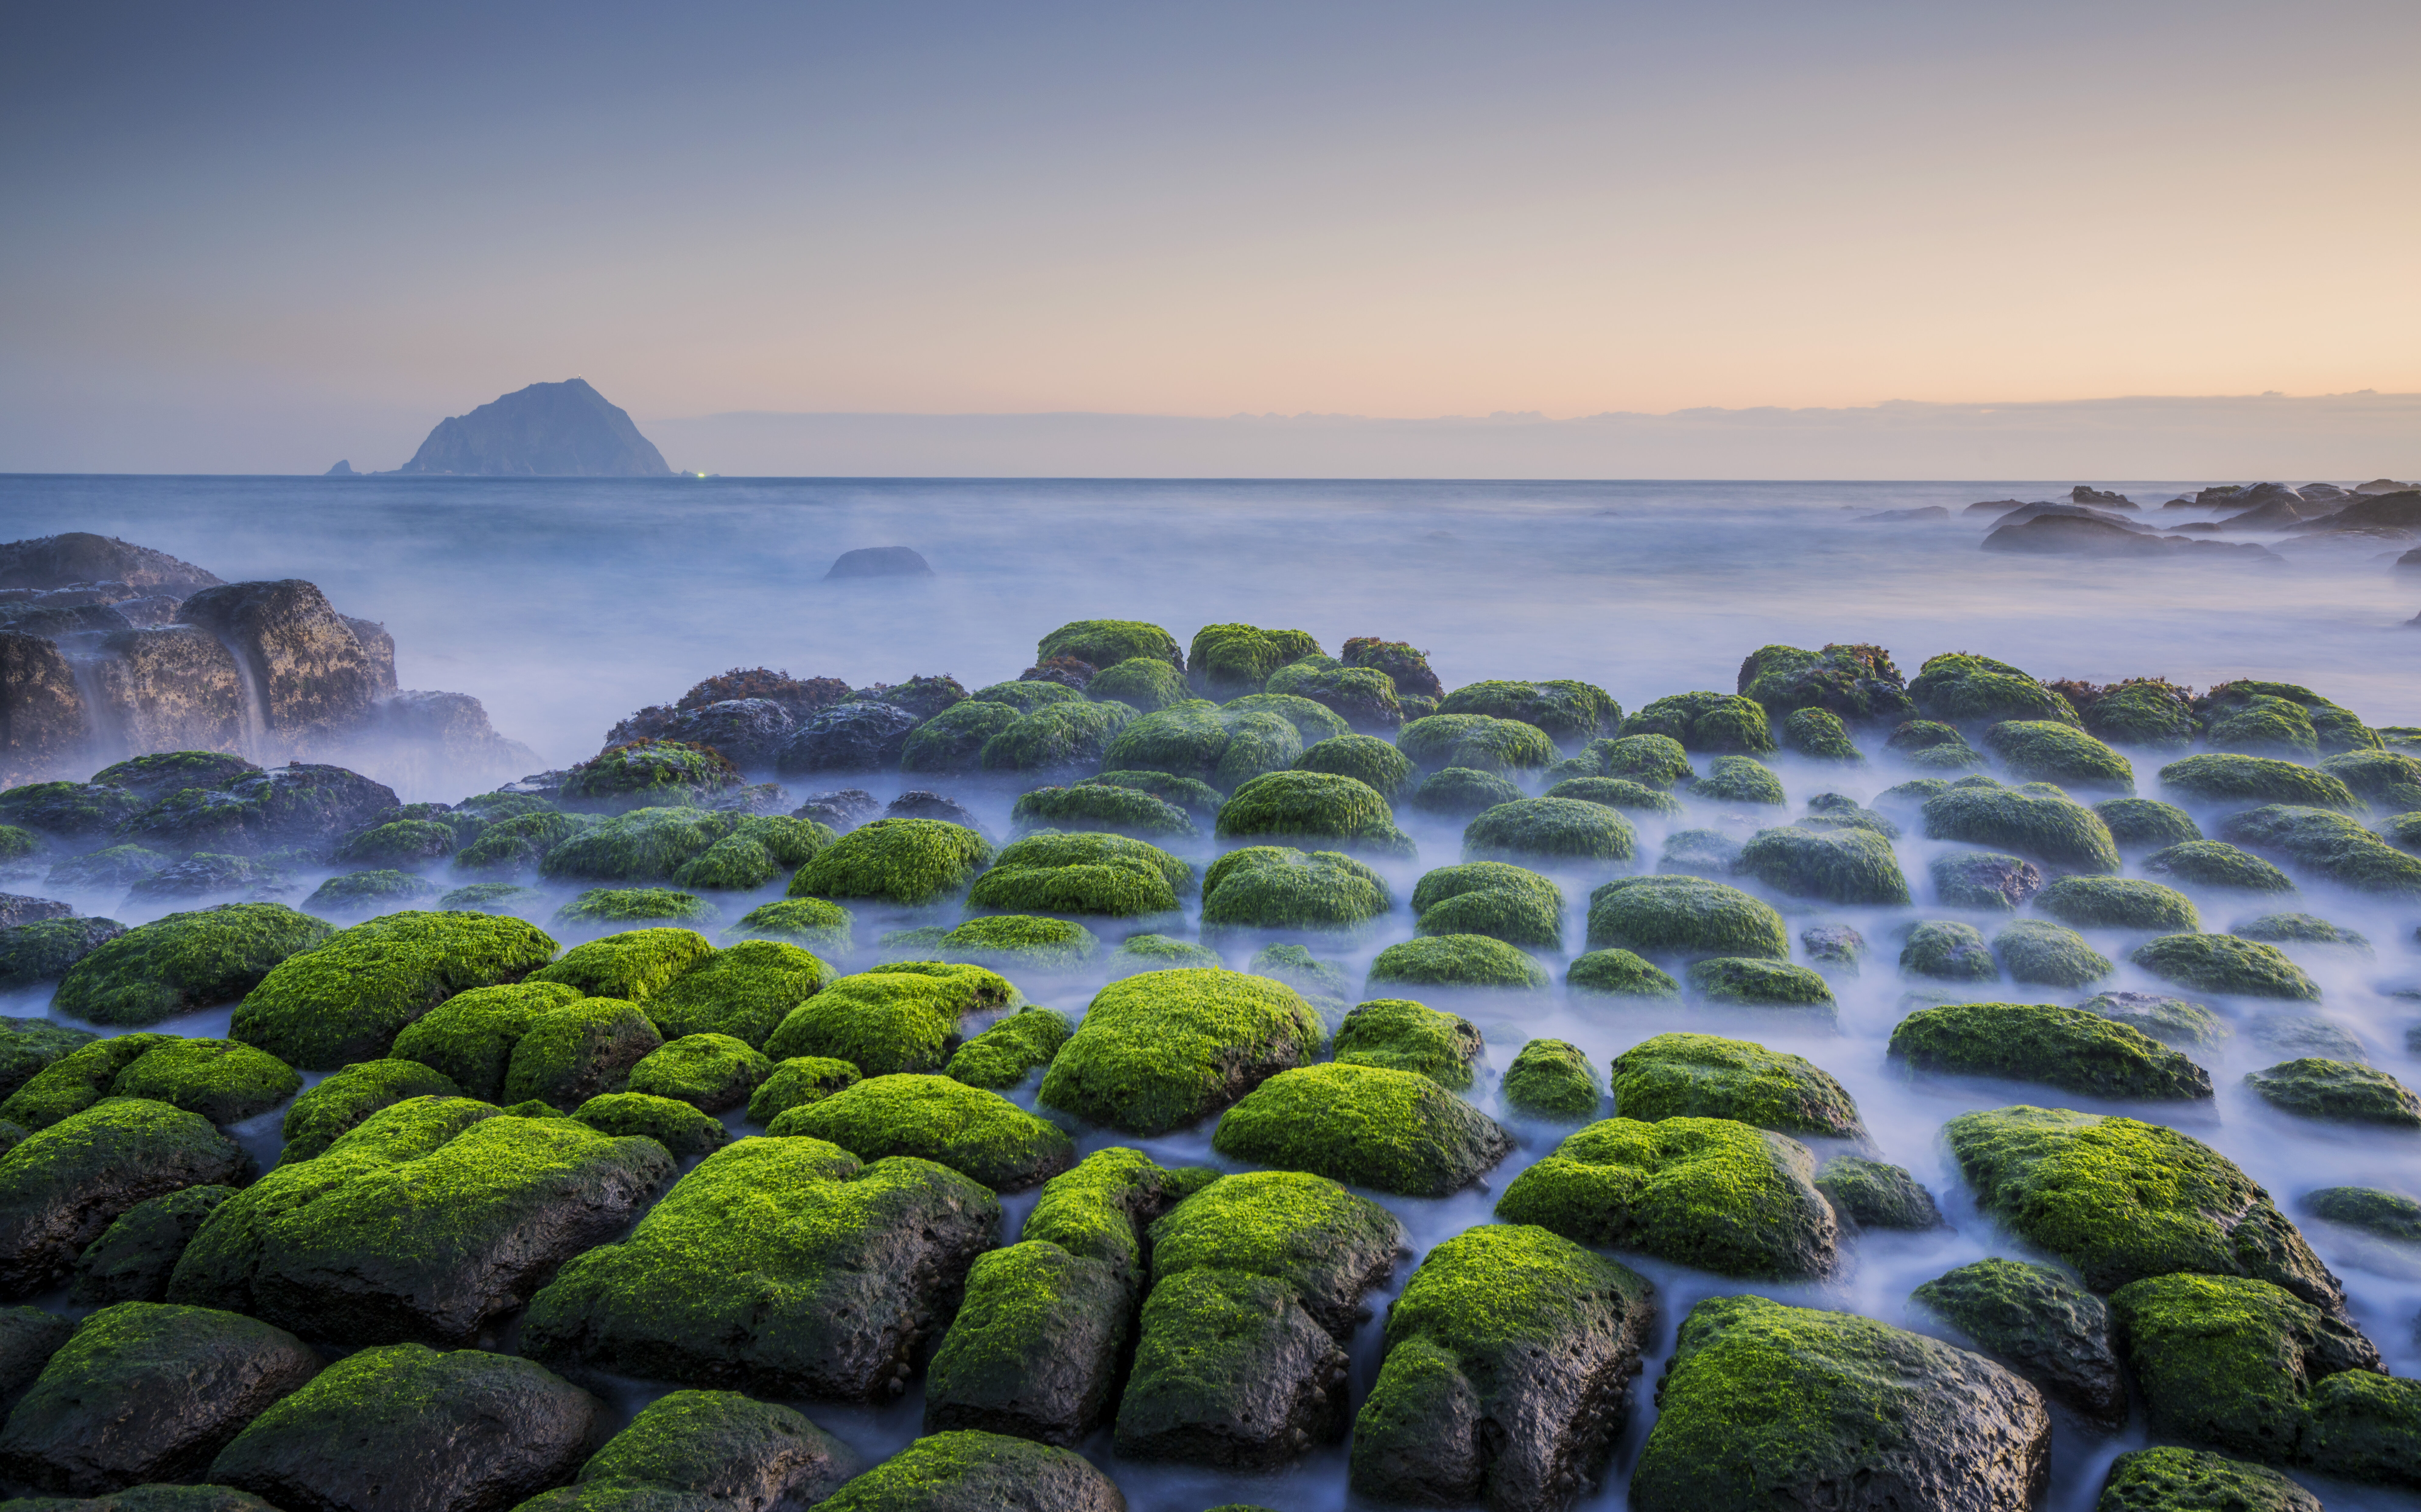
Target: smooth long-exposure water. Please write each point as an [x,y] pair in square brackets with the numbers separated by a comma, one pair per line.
[565,605]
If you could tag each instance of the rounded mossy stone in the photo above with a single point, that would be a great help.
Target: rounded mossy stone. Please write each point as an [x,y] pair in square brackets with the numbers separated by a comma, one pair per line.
[494,897]
[117,866]
[2169,1020]
[74,1080]
[1619,793]
[1551,1079]
[341,1101]
[1280,889]
[218,1079]
[2316,1088]
[1843,865]
[1984,879]
[1476,742]
[28,1045]
[1739,779]
[2040,750]
[1195,799]
[470,1037]
[520,845]
[1473,876]
[970,1129]
[403,845]
[2071,1049]
[2215,864]
[1164,1050]
[1159,953]
[1313,806]
[1195,738]
[743,991]
[2390,1215]
[358,893]
[681,1127]
[1144,683]
[1755,983]
[1463,792]
[606,907]
[2388,780]
[712,1446]
[1519,916]
[2262,725]
[1023,943]
[2250,780]
[1552,831]
[1819,735]
[1840,811]
[1948,951]
[1405,1035]
[1876,1194]
[1226,657]
[1566,710]
[795,1083]
[1708,1193]
[1112,810]
[1653,760]
[2040,1324]
[1026,697]
[1105,642]
[1468,960]
[953,739]
[2055,830]
[1361,699]
[647,845]
[1367,1125]
[1853,682]
[1707,1076]
[1713,722]
[1088,873]
[967,1468]
[131,1260]
[575,1051]
[902,1017]
[1323,983]
[43,950]
[1003,1055]
[812,924]
[636,965]
[2226,965]
[75,810]
[1327,1245]
[2118,1199]
[2118,903]
[1057,738]
[1366,758]
[2040,953]
[2300,929]
[2231,1361]
[735,864]
[909,862]
[2142,824]
[2330,845]
[61,1187]
[1614,972]
[2173,1479]
[346,998]
[710,1072]
[1960,688]
[645,773]
[1678,916]
[183,963]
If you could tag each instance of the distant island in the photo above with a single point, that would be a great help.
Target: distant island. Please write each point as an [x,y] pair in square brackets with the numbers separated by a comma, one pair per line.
[565,430]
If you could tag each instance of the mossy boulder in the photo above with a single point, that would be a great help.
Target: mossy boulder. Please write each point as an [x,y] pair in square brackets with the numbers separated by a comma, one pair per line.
[494,897]
[1222,748]
[131,1260]
[1366,758]
[2169,1020]
[1769,1408]
[1006,1054]
[1834,947]
[427,1220]
[1707,1076]
[1313,806]
[1057,739]
[647,773]
[2333,729]
[304,807]
[1984,879]
[953,739]
[2120,1200]
[1163,1050]
[2300,929]
[1948,951]
[1619,793]
[712,1073]
[2044,828]
[28,1045]
[1226,660]
[763,847]
[1819,735]
[1933,746]
[1465,960]
[800,1080]
[1365,1125]
[2389,1215]
[2259,724]
[1084,874]
[969,1470]
[1568,711]
[1551,832]
[708,1446]
[812,924]
[1404,1035]
[1282,890]
[1837,866]
[1105,642]
[1876,1194]
[184,962]
[1739,779]
[1195,799]
[2226,965]
[1475,743]
[2070,1049]
[2388,780]
[520,845]
[2143,711]
[400,845]
[1461,792]
[1673,916]
[635,965]
[1551,1079]
[742,991]
[937,1119]
[146,1393]
[2040,953]
[1713,722]
[620,907]
[903,1018]
[78,813]
[222,1081]
[1311,702]
[2317,1088]
[1160,952]
[1960,688]
[2245,781]
[339,1103]
[2042,750]
[1855,682]
[784,1267]
[2038,1323]
[1742,982]
[470,1037]
[2172,1479]
[1620,973]
[905,861]
[1708,1193]
[62,1187]
[682,1128]
[2118,903]
[1144,683]
[2329,846]
[346,998]
[2216,864]
[1111,810]
[1507,1362]
[105,870]
[1021,944]
[2144,824]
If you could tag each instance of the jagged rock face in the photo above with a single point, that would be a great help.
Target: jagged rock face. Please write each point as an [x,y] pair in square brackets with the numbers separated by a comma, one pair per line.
[379,646]
[563,429]
[174,689]
[310,672]
[42,713]
[80,556]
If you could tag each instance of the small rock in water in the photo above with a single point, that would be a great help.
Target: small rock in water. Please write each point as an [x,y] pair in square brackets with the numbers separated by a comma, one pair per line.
[880,562]
[844,808]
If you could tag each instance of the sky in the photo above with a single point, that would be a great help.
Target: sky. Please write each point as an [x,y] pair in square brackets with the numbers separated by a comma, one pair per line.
[259,237]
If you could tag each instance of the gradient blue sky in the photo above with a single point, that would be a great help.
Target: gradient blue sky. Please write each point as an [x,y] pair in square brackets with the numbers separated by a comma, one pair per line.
[261,236]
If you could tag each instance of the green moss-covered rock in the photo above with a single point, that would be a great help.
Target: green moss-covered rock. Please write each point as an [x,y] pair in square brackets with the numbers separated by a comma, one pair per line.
[1197,739]
[1838,811]
[1501,1324]
[1819,735]
[953,739]
[83,812]
[1617,793]
[1313,806]
[1708,1193]
[2389,1215]
[1021,942]
[636,965]
[969,1469]
[1410,1036]
[339,1103]
[2171,1021]
[1197,800]
[131,1260]
[609,907]
[2037,952]
[1279,889]
[1554,831]
[1323,983]
[1226,660]
[801,1080]
[2215,864]
[2055,830]
[1834,947]
[575,1051]
[2249,780]
[2144,712]
[810,923]
[2328,845]
[1003,1055]
[2118,903]
[1460,792]
[1713,722]
[2144,824]
[1706,1076]
[743,991]
[937,1119]
[520,845]
[1959,687]
[1948,951]
[1739,779]
[2172,1479]
[1748,982]
[1984,879]
[1164,1050]
[1855,682]
[30,1045]
[62,1187]
[893,1018]
[1105,642]
[402,845]
[43,950]
[2316,1088]
[2388,780]
[2260,724]
[222,1081]
[183,963]
[785,1268]
[1933,746]
[345,999]
[682,1128]
[1112,810]
[1366,758]
[647,845]
[2224,964]
[494,897]
[1144,683]
[426,1221]
[1310,698]
[708,1446]
[106,870]
[1160,952]
[2070,1049]
[470,1037]
[1476,742]
[1843,865]
[1551,1079]
[2120,1200]
[1876,1194]
[2300,929]
[1365,1125]
[2038,1323]
[909,862]
[1615,973]
[710,1072]
[1682,917]
[647,773]
[1088,873]
[1467,960]
[2042,750]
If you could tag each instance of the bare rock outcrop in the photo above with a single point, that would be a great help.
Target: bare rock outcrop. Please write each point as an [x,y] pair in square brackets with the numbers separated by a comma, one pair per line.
[79,557]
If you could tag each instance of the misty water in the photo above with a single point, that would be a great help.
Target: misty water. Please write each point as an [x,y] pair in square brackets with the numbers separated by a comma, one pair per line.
[565,605]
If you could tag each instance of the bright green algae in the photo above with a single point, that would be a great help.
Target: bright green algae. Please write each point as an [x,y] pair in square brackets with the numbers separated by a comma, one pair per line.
[1342,811]
[905,861]
[812,924]
[2035,825]
[219,1079]
[1681,917]
[345,999]
[183,963]
[967,1129]
[636,964]
[1083,874]
[2224,964]
[1551,1079]
[470,1037]
[2316,1088]
[712,1073]
[1410,1037]
[340,1102]
[2118,903]
[1706,1076]
[2070,1049]
[1006,1054]
[1161,1050]
[743,991]
[903,1016]
[1459,961]
[1852,866]
[1556,831]
[1369,1126]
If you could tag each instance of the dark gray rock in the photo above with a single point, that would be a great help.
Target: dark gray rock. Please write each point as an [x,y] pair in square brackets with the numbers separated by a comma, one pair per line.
[711,1451]
[15,909]
[751,732]
[844,809]
[311,674]
[133,1257]
[301,805]
[880,562]
[2042,1325]
[42,717]
[565,430]
[28,1337]
[857,735]
[80,556]
[1984,879]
